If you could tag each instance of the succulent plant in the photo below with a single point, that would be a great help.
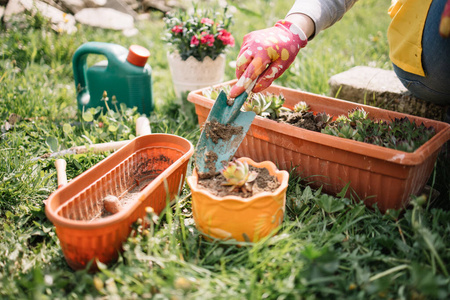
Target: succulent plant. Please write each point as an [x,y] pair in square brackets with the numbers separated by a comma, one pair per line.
[213,92]
[357,114]
[238,175]
[258,104]
[342,118]
[266,105]
[344,130]
[276,107]
[407,136]
[400,134]
[301,107]
[322,119]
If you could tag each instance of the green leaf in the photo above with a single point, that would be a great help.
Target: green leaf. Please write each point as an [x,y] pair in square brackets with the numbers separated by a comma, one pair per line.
[344,190]
[330,204]
[52,143]
[112,128]
[67,128]
[88,117]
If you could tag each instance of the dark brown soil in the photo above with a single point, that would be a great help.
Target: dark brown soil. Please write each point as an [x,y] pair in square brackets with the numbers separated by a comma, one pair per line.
[215,131]
[210,164]
[264,182]
[305,120]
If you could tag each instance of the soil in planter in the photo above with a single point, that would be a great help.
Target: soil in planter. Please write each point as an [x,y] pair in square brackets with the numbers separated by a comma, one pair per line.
[215,131]
[305,120]
[146,171]
[129,197]
[264,182]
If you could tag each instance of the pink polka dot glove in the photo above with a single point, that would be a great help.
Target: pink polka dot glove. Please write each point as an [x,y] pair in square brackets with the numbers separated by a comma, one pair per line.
[267,53]
[444,26]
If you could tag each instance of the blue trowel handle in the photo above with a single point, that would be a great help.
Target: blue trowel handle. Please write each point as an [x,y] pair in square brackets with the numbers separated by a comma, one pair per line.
[238,102]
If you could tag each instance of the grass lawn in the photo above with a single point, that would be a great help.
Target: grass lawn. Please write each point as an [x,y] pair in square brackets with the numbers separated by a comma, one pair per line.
[322,251]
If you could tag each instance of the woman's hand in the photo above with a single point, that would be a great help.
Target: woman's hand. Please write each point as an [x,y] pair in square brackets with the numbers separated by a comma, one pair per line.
[266,54]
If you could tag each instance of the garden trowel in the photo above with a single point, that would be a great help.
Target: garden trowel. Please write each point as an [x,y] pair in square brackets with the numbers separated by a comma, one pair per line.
[222,133]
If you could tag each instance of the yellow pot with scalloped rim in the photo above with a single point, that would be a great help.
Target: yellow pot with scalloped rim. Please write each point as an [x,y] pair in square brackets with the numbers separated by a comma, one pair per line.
[236,218]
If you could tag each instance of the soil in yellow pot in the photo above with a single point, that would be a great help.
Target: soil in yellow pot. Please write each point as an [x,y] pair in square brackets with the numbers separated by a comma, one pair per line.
[248,217]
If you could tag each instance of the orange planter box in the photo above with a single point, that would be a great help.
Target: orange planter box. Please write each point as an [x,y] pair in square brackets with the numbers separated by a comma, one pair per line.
[376,174]
[73,207]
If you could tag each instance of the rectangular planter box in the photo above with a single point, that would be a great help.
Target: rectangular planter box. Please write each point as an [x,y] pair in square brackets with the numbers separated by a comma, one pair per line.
[73,207]
[376,174]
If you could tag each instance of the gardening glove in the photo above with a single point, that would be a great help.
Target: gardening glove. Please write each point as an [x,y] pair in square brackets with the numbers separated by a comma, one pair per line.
[444,26]
[267,53]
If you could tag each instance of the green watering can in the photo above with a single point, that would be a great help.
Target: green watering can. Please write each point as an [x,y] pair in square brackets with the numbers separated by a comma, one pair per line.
[125,75]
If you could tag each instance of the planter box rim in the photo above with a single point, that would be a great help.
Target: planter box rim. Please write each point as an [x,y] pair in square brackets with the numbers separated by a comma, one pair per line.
[378,152]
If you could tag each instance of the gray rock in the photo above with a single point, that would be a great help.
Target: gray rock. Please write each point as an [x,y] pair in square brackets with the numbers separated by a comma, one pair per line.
[61,21]
[121,6]
[73,6]
[13,7]
[381,88]
[105,18]
[94,3]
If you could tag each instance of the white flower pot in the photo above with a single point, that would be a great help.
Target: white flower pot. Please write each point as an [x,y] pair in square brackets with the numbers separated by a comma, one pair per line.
[192,74]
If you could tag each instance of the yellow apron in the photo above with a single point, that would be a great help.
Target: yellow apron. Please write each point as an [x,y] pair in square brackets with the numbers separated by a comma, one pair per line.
[405,33]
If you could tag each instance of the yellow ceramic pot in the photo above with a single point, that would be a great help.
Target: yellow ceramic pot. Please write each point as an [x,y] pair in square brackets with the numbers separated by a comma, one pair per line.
[236,218]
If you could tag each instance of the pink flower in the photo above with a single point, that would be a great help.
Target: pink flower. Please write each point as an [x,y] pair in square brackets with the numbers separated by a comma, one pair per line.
[207,39]
[207,21]
[194,41]
[226,37]
[177,29]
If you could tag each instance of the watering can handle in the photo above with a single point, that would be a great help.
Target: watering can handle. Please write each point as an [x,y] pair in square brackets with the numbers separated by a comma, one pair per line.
[111,51]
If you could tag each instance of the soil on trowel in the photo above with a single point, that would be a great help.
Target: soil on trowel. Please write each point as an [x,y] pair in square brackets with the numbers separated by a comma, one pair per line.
[210,164]
[264,182]
[305,120]
[215,131]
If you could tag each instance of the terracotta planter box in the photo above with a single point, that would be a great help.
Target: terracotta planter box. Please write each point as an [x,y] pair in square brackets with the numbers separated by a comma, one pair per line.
[161,159]
[376,174]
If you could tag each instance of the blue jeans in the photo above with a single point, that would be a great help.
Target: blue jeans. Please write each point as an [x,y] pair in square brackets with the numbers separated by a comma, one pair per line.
[435,86]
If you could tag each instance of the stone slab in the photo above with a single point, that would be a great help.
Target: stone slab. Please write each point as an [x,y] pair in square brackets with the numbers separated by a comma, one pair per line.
[381,88]
[105,18]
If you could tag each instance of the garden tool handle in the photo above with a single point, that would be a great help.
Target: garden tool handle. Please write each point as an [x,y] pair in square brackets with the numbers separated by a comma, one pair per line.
[60,165]
[79,64]
[247,90]
[143,126]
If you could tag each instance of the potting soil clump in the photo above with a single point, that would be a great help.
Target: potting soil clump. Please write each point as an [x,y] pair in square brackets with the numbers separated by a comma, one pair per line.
[215,130]
[264,182]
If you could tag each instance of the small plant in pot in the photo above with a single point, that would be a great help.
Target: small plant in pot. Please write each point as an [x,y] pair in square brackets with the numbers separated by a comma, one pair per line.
[245,202]
[197,41]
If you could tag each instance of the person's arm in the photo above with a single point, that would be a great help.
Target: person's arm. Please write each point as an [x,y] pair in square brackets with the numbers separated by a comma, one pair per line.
[267,53]
[302,21]
[323,13]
